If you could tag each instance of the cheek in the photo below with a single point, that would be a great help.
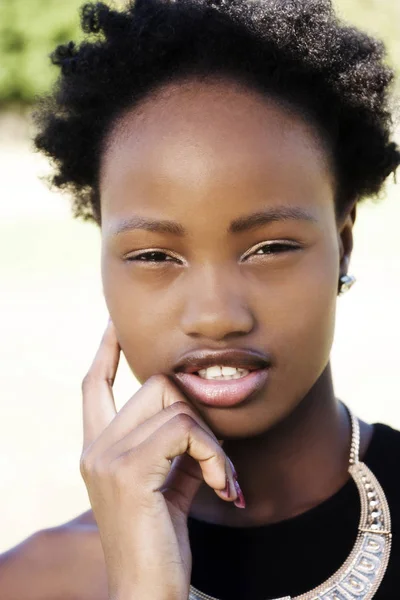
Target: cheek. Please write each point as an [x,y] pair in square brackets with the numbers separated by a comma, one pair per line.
[313,331]
[139,319]
[306,326]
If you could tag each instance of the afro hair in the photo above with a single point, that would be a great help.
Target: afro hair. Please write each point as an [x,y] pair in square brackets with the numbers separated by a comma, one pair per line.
[295,50]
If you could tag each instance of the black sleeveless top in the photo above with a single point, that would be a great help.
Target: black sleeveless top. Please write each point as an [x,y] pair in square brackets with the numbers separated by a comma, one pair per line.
[294,556]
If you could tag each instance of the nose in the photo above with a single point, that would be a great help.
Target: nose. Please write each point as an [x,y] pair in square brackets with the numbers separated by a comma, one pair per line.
[215,306]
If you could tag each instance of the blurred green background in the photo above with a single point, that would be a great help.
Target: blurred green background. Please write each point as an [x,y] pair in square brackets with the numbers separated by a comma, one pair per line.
[52,309]
[30,29]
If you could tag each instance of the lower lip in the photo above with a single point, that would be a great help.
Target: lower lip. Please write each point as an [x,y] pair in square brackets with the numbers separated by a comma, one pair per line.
[222,393]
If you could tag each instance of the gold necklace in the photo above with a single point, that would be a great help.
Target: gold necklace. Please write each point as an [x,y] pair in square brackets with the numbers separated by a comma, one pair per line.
[361,574]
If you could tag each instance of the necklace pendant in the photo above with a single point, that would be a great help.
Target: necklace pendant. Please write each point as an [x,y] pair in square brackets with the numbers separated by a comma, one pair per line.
[361,574]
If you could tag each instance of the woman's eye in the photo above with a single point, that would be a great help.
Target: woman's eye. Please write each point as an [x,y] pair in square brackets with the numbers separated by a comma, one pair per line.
[155,256]
[273,248]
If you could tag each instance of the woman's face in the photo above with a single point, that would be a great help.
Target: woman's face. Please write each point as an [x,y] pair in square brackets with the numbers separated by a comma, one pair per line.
[215,160]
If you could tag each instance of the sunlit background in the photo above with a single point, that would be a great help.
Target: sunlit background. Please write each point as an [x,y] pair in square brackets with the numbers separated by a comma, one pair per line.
[52,311]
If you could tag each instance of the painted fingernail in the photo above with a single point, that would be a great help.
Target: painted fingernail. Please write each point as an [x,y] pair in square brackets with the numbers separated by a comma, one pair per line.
[233,468]
[240,501]
[226,492]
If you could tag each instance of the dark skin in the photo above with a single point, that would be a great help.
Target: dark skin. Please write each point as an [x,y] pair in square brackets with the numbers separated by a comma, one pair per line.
[203,155]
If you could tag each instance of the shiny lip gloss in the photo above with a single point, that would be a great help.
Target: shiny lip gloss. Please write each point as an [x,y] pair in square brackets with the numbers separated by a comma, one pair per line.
[219,393]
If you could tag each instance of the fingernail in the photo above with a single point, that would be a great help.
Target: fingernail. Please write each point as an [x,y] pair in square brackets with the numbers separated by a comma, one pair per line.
[233,468]
[240,501]
[226,492]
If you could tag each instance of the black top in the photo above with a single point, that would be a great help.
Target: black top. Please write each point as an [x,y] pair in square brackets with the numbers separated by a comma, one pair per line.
[294,556]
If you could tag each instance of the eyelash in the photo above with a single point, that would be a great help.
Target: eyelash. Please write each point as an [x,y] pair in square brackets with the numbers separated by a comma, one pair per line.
[138,257]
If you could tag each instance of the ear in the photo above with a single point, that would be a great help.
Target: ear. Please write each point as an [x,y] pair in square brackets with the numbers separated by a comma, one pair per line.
[345,233]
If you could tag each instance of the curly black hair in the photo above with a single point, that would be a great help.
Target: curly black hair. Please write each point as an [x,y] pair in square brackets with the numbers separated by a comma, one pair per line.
[295,50]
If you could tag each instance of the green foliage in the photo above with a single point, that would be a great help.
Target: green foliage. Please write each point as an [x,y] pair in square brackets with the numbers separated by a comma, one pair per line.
[30,30]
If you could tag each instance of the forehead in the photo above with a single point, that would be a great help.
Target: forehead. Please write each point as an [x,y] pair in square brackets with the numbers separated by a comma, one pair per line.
[207,132]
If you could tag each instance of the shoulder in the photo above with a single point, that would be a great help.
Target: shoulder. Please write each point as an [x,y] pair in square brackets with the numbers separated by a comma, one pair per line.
[384,450]
[65,561]
[75,553]
[83,520]
[383,453]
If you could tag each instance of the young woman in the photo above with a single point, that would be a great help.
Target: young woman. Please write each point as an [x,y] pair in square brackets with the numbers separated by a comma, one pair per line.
[222,147]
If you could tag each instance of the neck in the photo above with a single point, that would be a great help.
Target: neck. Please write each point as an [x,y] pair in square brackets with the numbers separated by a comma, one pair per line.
[296,465]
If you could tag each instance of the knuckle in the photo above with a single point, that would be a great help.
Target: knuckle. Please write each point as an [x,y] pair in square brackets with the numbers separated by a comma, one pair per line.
[163,384]
[92,467]
[184,422]
[85,465]
[100,469]
[157,380]
[122,469]
[87,381]
[179,407]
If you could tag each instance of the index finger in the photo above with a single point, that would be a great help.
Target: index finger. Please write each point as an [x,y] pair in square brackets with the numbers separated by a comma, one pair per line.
[97,396]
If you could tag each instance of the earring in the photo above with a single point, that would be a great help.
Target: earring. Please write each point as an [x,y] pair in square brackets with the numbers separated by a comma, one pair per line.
[345,283]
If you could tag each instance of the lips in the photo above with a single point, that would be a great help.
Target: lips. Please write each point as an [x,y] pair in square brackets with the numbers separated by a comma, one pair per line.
[201,359]
[222,393]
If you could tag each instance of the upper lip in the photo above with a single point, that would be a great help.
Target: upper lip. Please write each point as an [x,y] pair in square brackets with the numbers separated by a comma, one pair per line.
[192,362]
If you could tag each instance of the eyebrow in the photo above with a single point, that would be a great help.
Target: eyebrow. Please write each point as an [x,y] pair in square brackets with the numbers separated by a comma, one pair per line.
[245,223]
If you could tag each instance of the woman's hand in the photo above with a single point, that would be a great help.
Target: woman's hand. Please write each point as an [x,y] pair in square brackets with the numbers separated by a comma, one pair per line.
[140,501]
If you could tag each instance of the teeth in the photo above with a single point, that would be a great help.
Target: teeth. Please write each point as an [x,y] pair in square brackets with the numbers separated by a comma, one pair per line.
[223,373]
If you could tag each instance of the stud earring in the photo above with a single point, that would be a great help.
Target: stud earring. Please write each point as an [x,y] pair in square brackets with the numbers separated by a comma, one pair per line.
[345,283]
